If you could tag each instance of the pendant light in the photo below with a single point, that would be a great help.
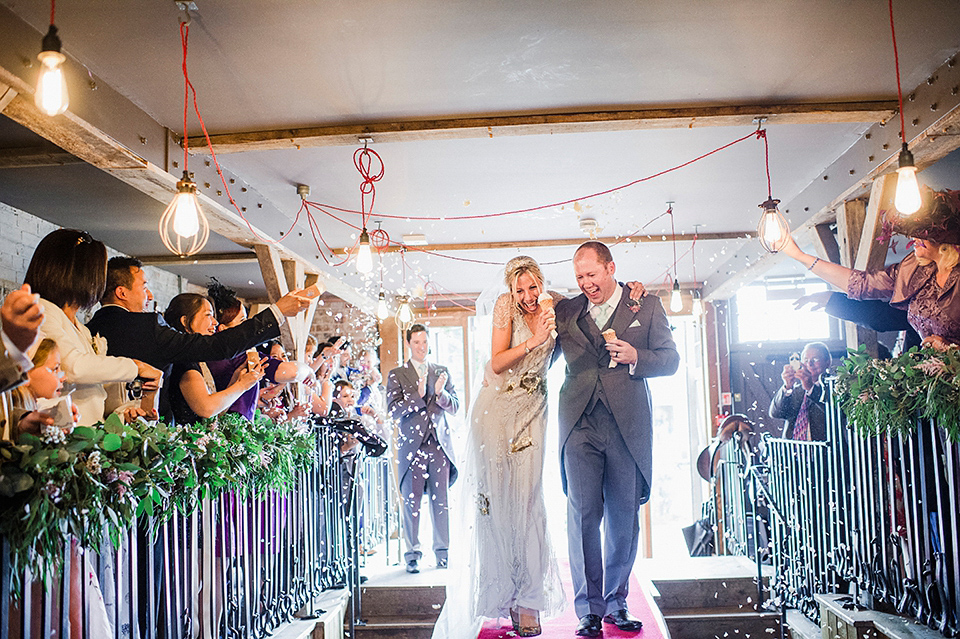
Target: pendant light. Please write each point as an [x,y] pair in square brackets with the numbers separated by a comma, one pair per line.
[773,228]
[364,255]
[184,229]
[404,311]
[383,312]
[183,226]
[51,94]
[697,308]
[676,298]
[907,199]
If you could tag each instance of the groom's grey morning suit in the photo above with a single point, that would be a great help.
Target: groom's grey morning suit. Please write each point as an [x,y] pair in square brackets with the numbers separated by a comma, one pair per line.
[605,417]
[424,452]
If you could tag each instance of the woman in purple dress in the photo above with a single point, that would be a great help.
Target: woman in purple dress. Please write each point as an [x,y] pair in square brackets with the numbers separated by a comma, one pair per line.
[925,283]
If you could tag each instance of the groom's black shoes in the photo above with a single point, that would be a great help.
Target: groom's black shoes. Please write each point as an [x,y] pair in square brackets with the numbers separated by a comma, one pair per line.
[412,567]
[590,626]
[624,621]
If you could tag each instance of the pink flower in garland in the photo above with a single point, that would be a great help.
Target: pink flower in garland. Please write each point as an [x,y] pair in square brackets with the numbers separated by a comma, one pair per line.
[933,367]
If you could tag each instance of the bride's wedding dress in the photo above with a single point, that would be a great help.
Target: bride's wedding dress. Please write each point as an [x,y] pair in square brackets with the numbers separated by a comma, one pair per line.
[501,556]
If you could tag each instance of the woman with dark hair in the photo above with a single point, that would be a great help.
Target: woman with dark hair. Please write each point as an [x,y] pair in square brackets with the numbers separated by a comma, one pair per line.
[193,392]
[69,272]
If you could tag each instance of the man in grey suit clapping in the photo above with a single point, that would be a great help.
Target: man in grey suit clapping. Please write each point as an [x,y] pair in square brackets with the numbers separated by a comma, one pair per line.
[419,397]
[605,415]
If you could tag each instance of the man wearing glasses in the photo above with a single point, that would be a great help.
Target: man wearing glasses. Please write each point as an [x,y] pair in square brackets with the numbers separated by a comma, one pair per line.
[800,400]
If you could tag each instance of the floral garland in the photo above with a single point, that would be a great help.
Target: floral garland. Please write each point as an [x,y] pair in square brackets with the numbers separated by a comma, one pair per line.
[880,396]
[53,486]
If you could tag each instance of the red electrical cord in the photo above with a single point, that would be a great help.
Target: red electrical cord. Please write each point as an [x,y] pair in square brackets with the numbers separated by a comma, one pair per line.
[53,10]
[896,64]
[363,160]
[757,134]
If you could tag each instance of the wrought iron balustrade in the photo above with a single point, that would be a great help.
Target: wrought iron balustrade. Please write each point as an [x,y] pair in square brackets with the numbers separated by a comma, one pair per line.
[239,566]
[878,517]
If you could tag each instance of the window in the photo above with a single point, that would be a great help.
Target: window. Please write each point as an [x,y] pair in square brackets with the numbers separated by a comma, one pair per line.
[765,312]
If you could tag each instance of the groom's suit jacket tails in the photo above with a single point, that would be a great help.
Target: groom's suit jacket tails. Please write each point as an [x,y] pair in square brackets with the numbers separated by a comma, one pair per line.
[589,379]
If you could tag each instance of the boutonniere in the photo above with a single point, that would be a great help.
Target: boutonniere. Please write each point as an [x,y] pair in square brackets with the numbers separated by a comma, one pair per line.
[99,344]
[633,305]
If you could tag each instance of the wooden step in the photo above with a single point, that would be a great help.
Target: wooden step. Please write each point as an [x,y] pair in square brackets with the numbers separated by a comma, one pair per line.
[393,602]
[395,628]
[726,625]
[725,583]
[799,627]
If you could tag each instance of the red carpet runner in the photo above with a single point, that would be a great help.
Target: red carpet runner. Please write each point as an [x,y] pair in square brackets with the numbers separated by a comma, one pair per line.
[564,626]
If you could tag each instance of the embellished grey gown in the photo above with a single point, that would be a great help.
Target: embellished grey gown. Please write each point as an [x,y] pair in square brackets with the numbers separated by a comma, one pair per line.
[501,553]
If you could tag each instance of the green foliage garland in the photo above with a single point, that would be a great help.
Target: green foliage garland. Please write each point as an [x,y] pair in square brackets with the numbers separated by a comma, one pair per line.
[91,482]
[880,396]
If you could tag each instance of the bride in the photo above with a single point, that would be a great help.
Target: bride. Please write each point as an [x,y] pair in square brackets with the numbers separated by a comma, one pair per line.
[504,563]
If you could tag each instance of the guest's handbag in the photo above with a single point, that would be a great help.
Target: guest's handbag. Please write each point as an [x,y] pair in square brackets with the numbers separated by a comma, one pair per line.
[699,538]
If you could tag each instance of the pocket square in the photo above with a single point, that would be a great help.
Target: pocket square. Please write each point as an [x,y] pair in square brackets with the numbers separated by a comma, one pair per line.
[635,324]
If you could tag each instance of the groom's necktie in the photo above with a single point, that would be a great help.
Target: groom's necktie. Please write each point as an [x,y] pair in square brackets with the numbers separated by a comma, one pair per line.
[600,314]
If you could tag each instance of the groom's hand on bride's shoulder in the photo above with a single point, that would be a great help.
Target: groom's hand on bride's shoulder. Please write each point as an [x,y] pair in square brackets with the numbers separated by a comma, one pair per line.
[637,293]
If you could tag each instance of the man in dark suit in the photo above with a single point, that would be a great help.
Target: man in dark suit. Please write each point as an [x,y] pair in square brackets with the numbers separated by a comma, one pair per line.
[800,401]
[132,332]
[419,397]
[605,416]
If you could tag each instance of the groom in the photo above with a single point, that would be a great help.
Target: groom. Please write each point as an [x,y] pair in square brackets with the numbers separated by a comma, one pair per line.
[605,431]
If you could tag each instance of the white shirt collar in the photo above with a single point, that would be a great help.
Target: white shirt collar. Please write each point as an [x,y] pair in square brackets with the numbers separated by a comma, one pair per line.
[612,302]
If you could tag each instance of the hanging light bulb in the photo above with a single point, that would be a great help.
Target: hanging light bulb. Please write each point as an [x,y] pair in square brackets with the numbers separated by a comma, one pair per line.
[676,299]
[183,226]
[404,313]
[51,95]
[382,311]
[773,229]
[697,308]
[907,199]
[364,256]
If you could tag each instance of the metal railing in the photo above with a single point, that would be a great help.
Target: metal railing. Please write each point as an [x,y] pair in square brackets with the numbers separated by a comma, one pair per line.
[878,516]
[236,567]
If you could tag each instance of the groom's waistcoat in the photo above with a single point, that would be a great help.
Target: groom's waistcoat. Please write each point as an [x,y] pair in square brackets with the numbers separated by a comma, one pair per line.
[589,379]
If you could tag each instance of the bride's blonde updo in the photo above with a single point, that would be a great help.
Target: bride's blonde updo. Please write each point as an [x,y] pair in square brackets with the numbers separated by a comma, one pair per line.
[517,267]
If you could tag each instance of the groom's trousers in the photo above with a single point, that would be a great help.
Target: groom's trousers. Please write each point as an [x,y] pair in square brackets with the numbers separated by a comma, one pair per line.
[604,487]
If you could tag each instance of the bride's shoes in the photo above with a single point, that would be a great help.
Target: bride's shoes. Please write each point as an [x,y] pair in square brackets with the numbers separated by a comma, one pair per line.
[526,622]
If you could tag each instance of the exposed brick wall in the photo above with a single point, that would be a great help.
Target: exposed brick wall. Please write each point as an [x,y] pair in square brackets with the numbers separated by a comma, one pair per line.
[20,233]
[337,317]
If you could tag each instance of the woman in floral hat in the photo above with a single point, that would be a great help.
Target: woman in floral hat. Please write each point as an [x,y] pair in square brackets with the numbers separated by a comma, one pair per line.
[925,283]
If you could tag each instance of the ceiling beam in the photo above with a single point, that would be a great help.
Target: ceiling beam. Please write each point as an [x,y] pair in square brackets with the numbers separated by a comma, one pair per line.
[35,157]
[444,128]
[932,115]
[201,258]
[576,241]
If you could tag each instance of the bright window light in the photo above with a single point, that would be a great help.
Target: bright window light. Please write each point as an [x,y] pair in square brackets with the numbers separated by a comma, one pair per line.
[765,312]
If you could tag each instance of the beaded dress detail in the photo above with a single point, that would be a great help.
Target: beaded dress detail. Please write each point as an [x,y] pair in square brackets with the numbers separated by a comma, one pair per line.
[503,557]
